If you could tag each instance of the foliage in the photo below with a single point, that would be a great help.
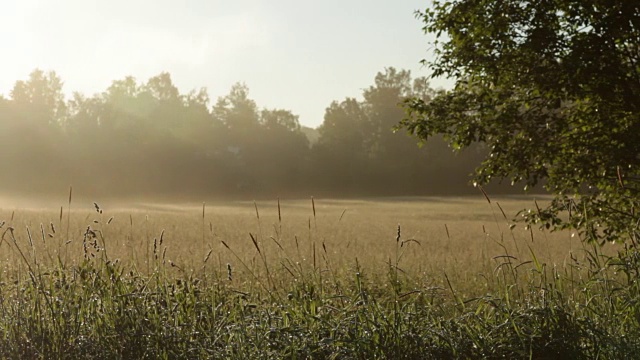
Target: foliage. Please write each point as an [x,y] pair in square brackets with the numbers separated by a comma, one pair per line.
[148,139]
[553,89]
[357,143]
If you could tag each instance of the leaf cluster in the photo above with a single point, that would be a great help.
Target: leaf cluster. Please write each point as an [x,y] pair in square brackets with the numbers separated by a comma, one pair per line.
[553,89]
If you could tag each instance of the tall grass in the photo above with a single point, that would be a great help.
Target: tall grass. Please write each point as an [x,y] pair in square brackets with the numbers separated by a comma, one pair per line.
[129,287]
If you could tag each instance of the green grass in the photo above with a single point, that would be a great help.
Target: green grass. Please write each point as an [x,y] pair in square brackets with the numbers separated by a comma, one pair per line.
[332,279]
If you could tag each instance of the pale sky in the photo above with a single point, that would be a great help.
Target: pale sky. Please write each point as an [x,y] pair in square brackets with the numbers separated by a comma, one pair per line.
[292,54]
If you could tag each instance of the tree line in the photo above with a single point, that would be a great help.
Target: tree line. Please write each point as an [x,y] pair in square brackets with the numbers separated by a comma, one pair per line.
[148,139]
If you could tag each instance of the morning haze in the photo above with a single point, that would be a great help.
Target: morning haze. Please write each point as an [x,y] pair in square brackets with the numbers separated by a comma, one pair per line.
[146,139]
[248,99]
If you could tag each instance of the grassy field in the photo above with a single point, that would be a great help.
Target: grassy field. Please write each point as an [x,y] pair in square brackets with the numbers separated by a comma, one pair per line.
[374,278]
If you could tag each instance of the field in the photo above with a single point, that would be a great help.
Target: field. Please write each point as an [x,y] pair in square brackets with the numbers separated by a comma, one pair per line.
[370,278]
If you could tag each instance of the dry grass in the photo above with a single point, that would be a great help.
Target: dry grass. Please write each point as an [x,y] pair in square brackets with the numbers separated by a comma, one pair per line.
[457,236]
[378,278]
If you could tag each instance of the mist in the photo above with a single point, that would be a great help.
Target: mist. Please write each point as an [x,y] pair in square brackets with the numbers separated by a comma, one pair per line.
[146,140]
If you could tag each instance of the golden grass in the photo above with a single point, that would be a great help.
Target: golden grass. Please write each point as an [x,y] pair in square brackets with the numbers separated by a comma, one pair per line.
[458,236]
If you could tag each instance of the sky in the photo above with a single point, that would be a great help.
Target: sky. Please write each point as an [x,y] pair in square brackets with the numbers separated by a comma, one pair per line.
[292,54]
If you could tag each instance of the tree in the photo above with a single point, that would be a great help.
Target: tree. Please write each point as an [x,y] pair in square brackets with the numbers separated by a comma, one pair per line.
[236,110]
[399,161]
[553,89]
[198,126]
[84,115]
[390,88]
[238,138]
[282,161]
[279,119]
[342,128]
[30,132]
[341,148]
[162,88]
[41,96]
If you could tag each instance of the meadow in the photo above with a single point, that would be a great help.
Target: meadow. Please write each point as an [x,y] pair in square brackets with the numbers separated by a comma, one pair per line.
[394,278]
